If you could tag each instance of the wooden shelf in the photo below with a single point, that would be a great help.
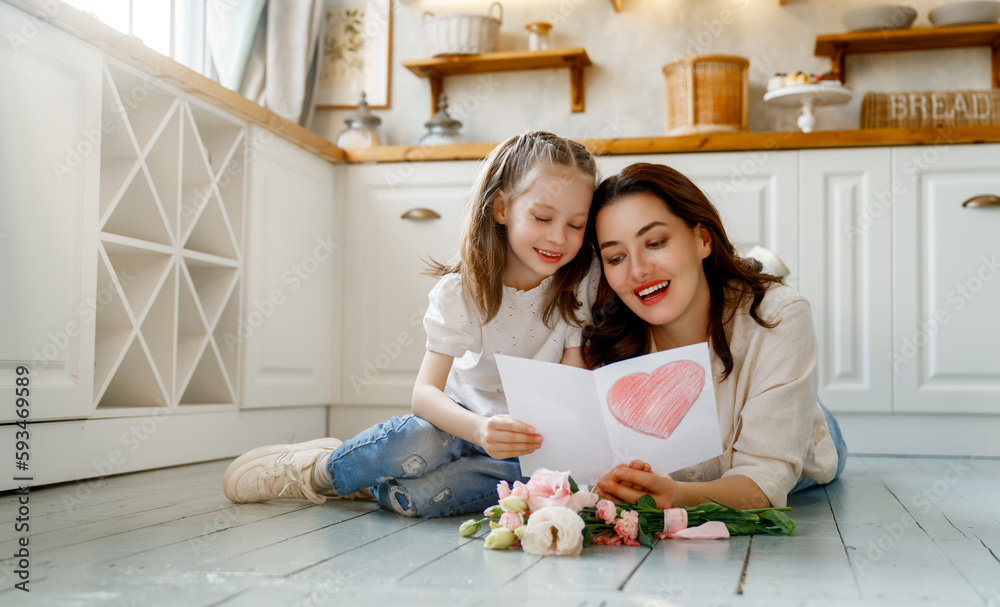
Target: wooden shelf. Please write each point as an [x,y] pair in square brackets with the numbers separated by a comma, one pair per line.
[435,69]
[838,46]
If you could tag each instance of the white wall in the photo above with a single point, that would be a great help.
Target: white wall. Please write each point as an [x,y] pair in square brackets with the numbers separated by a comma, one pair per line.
[625,89]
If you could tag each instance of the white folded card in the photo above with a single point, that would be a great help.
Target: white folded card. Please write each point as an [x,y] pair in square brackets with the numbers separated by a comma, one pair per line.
[658,408]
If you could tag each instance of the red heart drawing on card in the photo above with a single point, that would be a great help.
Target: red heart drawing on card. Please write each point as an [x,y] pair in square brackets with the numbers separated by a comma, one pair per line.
[655,403]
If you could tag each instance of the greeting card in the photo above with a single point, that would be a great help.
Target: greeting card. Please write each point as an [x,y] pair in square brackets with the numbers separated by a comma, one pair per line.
[658,408]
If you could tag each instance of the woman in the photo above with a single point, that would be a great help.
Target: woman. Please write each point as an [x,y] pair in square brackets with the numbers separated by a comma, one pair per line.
[672,278]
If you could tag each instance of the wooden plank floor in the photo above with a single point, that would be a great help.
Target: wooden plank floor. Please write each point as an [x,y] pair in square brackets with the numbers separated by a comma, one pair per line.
[891,531]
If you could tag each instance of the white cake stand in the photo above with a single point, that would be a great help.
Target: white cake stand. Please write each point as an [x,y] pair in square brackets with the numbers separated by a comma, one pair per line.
[808,96]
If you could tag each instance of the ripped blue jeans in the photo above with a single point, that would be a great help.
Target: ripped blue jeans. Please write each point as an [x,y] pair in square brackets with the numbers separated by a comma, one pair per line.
[417,470]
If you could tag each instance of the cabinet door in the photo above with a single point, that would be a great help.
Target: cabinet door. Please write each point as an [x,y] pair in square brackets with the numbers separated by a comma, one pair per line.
[755,192]
[293,261]
[50,117]
[390,241]
[845,234]
[946,293]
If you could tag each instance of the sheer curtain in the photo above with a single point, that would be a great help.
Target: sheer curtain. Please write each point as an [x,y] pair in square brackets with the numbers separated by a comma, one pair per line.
[268,51]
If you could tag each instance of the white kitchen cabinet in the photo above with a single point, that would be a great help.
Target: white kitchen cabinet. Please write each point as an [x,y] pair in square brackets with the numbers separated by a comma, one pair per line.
[169,253]
[756,193]
[845,235]
[399,215]
[50,117]
[946,279]
[294,260]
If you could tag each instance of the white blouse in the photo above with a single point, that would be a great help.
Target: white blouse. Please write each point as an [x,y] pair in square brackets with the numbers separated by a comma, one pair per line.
[773,429]
[454,329]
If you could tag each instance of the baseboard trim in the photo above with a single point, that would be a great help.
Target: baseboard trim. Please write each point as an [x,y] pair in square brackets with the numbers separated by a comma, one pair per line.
[75,450]
[920,434]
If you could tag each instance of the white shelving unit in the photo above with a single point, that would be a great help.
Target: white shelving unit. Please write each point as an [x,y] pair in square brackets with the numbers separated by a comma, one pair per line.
[169,250]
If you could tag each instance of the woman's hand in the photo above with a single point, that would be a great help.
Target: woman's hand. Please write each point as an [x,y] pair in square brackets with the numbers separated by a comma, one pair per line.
[503,437]
[629,483]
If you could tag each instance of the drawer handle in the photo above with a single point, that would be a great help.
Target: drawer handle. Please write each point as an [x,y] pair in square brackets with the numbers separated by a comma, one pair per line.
[420,214]
[985,200]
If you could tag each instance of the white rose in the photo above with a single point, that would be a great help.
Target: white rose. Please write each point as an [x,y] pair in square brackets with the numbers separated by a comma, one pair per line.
[554,530]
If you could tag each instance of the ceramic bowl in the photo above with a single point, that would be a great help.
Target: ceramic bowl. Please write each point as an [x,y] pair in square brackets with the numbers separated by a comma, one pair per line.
[963,13]
[883,16]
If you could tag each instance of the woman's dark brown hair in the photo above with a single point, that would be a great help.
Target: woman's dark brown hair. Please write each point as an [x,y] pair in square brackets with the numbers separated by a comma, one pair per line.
[617,333]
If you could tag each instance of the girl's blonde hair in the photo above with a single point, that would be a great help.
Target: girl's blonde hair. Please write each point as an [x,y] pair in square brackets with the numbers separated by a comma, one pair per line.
[511,167]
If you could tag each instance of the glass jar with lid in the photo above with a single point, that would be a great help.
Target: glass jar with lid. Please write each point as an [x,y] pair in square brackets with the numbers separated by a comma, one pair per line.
[362,128]
[442,128]
[538,36]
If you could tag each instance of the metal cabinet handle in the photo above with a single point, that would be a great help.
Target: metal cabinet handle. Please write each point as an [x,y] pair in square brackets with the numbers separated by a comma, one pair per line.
[420,214]
[984,200]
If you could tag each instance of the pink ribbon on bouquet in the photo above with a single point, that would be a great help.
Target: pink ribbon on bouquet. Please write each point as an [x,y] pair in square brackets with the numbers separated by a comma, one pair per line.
[675,525]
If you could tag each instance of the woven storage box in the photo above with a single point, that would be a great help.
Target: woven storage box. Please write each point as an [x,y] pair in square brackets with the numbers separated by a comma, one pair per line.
[706,94]
[461,34]
[930,108]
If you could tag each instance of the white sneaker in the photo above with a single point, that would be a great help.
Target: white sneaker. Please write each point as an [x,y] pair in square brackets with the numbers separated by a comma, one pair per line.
[277,471]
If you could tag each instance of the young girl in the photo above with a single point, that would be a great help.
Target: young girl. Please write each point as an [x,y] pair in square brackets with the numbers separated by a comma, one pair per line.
[671,278]
[517,288]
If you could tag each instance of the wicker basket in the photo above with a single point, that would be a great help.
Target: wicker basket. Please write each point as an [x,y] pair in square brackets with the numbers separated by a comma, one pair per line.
[930,108]
[461,34]
[706,94]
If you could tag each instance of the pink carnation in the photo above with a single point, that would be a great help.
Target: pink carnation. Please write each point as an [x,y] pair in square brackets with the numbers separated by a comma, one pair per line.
[511,520]
[548,488]
[606,510]
[627,526]
[606,540]
[520,490]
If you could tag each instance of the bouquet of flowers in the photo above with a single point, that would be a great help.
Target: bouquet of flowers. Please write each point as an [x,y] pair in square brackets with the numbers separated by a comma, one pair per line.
[550,515]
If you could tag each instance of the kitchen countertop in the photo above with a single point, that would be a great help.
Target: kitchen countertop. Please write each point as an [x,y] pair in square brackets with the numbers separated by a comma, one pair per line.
[132,51]
[714,142]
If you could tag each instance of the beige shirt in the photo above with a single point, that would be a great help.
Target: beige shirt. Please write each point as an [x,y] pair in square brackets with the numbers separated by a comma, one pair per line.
[773,429]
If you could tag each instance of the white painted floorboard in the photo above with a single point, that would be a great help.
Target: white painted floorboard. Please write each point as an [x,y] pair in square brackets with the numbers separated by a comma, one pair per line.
[891,531]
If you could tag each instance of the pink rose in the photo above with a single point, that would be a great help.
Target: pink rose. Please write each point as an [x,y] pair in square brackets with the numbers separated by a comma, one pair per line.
[503,489]
[555,530]
[512,520]
[548,488]
[627,526]
[607,511]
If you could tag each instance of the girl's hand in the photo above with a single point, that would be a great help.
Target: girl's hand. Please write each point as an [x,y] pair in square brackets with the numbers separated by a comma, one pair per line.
[628,483]
[503,437]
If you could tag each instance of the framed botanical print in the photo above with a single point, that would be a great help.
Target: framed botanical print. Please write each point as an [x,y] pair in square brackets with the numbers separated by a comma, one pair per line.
[356,54]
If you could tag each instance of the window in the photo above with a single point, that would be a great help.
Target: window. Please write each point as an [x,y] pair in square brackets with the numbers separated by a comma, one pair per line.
[175,28]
